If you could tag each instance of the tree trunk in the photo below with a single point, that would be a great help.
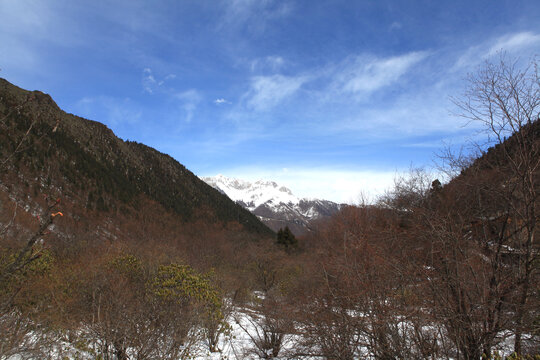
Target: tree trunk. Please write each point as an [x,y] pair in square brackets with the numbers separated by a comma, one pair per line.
[120,352]
[520,313]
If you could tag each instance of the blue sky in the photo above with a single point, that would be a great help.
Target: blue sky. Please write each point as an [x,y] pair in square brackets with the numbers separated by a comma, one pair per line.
[331,98]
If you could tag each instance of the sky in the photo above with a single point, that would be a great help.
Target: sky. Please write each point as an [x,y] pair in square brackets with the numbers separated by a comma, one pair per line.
[332,99]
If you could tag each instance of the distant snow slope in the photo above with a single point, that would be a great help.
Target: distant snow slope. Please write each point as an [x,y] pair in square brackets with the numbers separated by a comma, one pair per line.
[275,205]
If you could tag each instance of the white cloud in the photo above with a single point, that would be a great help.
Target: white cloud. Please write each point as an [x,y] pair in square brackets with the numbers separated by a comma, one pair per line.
[253,13]
[30,33]
[168,77]
[191,95]
[150,83]
[424,113]
[515,44]
[343,186]
[43,21]
[396,25]
[221,101]
[406,113]
[366,74]
[272,63]
[189,101]
[115,112]
[338,185]
[18,56]
[268,91]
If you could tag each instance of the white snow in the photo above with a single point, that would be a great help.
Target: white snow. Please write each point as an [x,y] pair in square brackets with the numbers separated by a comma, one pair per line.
[253,194]
[269,199]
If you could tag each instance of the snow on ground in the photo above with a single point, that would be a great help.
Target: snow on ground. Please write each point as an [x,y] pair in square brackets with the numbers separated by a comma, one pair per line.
[237,344]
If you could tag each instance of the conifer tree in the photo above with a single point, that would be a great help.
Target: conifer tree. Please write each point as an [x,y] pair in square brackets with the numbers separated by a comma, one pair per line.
[286,238]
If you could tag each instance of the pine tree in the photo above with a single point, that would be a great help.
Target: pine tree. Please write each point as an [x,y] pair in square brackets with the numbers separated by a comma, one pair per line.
[286,238]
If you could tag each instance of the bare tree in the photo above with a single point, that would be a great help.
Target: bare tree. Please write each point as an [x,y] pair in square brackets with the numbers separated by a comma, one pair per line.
[505,99]
[21,334]
[467,285]
[365,303]
[268,325]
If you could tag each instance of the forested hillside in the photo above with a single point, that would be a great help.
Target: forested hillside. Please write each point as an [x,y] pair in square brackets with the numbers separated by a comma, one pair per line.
[51,149]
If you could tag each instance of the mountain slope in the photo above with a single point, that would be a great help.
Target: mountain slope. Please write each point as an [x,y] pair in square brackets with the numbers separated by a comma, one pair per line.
[86,162]
[275,205]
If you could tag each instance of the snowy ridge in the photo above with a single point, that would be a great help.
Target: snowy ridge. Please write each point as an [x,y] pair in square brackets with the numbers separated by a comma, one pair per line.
[252,195]
[275,205]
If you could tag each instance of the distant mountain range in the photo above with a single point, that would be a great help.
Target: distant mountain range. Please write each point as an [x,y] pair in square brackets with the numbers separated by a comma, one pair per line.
[275,205]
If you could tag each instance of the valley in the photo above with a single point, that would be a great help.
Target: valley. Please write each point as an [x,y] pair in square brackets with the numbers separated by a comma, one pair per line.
[111,249]
[275,180]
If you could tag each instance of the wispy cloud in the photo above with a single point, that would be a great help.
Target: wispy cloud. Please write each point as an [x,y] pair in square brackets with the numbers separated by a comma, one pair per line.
[189,100]
[344,82]
[45,21]
[221,101]
[267,91]
[31,33]
[525,43]
[253,14]
[515,42]
[118,113]
[364,74]
[272,63]
[396,25]
[150,83]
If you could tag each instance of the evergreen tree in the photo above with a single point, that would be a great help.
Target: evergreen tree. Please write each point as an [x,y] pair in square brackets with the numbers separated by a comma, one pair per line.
[286,238]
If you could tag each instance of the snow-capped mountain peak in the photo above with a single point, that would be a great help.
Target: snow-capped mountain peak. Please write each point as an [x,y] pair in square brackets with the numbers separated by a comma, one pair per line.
[252,195]
[275,205]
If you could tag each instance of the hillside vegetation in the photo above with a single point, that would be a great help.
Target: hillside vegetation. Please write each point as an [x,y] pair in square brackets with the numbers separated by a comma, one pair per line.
[111,250]
[86,160]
